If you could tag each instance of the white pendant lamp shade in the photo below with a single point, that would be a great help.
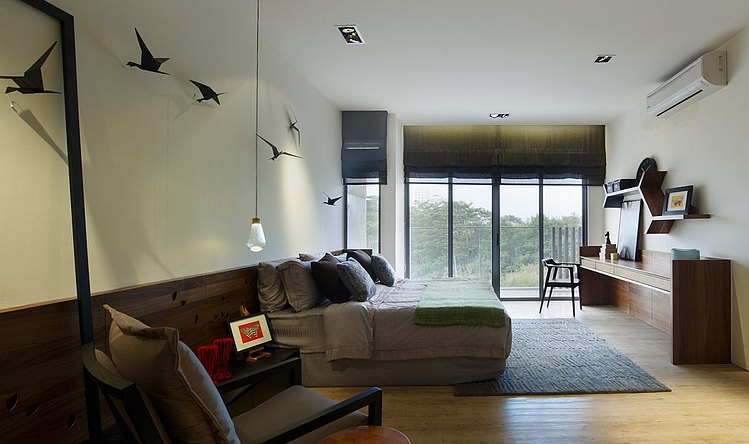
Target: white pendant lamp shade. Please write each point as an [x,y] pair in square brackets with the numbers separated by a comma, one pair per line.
[256,241]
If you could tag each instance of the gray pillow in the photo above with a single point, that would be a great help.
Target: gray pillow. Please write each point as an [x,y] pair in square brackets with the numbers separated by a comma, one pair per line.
[300,286]
[270,291]
[356,279]
[383,270]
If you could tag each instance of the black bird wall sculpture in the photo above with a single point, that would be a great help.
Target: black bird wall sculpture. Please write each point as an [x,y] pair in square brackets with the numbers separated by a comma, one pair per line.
[331,200]
[31,81]
[276,152]
[208,92]
[147,61]
[294,128]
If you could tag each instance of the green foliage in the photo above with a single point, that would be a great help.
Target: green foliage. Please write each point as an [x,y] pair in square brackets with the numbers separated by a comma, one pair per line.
[472,242]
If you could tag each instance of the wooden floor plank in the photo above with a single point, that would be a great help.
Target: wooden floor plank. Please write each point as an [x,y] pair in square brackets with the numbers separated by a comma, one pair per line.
[708,403]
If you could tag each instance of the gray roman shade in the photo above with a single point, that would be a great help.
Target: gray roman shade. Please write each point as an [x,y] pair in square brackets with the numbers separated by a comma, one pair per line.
[364,148]
[516,151]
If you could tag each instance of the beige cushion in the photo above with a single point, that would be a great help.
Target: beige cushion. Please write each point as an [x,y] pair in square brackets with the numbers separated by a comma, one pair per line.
[290,406]
[270,290]
[300,286]
[177,384]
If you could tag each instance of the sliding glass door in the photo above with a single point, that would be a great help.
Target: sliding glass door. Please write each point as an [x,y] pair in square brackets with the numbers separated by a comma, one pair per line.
[519,229]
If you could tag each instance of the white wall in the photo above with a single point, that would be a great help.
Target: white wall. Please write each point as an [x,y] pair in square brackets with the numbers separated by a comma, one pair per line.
[704,145]
[170,183]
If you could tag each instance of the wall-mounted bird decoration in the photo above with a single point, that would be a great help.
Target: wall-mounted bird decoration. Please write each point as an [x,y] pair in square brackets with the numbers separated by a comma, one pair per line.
[276,152]
[331,200]
[208,92]
[147,61]
[31,81]
[294,128]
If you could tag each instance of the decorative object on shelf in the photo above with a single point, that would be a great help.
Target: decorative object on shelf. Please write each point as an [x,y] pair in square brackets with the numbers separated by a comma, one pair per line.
[208,92]
[647,164]
[678,200]
[147,61]
[276,152]
[256,239]
[31,80]
[293,127]
[331,200]
[629,229]
[249,333]
[208,356]
[223,347]
[685,254]
[608,238]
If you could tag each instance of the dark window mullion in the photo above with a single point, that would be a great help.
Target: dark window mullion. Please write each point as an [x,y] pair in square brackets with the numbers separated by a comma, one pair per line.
[450,259]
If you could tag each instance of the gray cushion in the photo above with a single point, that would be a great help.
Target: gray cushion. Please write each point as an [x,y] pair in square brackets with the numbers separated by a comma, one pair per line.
[356,279]
[383,270]
[300,286]
[288,407]
[364,259]
[177,384]
[270,291]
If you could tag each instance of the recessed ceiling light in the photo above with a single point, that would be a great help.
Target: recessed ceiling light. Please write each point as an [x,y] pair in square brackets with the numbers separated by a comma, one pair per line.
[603,58]
[351,34]
[499,115]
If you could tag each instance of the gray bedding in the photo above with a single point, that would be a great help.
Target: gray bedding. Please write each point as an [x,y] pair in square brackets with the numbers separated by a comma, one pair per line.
[377,342]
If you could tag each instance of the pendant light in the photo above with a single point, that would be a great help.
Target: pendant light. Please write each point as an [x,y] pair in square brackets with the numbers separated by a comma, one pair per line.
[256,241]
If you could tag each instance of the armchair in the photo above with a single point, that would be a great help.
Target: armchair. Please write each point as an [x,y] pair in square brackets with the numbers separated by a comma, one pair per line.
[159,392]
[555,280]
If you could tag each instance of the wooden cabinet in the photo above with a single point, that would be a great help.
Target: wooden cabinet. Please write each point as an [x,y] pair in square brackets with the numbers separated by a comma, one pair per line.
[651,192]
[687,299]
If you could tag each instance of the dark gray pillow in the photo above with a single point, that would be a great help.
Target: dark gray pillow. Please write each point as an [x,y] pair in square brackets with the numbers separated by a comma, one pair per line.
[356,279]
[383,270]
[300,286]
[328,282]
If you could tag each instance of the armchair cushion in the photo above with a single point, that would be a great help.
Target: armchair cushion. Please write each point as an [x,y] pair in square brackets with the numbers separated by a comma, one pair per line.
[288,407]
[177,384]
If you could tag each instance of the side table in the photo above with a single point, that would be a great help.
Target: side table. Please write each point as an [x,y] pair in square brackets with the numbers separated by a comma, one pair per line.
[367,435]
[254,382]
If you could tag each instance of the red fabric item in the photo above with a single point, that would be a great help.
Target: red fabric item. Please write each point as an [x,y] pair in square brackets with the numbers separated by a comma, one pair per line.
[223,346]
[208,356]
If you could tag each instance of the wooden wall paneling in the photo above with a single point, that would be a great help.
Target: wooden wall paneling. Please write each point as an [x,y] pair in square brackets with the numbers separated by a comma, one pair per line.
[42,381]
[701,301]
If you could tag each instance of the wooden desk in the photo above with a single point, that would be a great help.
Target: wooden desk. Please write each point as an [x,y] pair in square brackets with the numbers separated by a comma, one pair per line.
[689,300]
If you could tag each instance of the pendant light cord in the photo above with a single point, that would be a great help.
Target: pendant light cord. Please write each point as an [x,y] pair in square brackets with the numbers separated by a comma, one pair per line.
[257,92]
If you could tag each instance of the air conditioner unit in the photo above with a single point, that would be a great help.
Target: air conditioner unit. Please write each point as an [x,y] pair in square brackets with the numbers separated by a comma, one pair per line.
[701,78]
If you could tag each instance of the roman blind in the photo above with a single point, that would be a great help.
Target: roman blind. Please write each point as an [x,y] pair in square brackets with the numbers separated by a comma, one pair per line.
[516,151]
[364,147]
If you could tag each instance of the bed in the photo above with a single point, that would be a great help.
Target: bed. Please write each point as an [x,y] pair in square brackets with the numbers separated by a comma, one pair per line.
[399,335]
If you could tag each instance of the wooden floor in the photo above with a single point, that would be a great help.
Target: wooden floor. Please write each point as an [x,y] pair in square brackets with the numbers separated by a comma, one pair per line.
[708,403]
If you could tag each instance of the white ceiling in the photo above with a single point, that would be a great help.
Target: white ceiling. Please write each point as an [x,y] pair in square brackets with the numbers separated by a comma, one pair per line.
[454,62]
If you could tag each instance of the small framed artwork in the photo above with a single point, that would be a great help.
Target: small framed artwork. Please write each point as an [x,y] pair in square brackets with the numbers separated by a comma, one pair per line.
[678,200]
[250,332]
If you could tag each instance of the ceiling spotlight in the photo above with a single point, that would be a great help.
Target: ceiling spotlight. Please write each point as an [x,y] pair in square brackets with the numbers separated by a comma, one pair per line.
[499,115]
[351,34]
[603,58]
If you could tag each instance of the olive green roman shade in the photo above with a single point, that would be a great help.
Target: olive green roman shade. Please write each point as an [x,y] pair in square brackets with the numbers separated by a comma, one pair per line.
[516,151]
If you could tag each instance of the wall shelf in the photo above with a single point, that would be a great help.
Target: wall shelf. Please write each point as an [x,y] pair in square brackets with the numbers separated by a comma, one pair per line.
[650,190]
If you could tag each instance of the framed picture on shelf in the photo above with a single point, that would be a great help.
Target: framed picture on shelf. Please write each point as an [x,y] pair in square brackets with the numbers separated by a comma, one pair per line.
[250,331]
[678,200]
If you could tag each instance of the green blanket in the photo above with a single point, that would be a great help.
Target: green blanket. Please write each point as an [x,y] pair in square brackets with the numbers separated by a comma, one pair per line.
[459,302]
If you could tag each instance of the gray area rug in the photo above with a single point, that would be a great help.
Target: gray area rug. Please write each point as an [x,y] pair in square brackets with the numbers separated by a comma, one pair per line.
[562,356]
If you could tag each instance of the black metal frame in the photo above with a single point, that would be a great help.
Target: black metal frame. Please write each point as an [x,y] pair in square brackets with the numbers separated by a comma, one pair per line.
[77,202]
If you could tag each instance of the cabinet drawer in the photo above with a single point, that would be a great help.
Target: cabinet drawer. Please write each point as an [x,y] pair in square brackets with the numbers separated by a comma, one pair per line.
[644,278]
[605,268]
